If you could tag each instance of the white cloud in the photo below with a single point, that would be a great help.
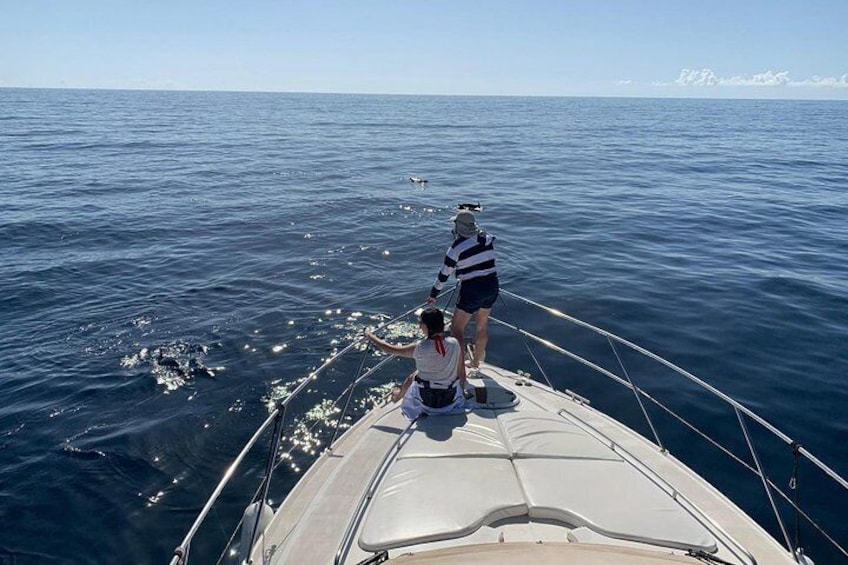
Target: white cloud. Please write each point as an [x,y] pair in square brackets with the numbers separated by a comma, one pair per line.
[825,82]
[704,77]
[707,78]
[767,78]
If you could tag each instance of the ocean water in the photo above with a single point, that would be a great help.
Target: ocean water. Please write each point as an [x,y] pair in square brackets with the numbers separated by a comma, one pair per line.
[170,262]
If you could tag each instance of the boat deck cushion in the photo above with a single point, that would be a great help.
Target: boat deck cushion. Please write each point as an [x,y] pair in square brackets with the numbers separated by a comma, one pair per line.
[476,434]
[532,434]
[428,499]
[459,472]
[611,498]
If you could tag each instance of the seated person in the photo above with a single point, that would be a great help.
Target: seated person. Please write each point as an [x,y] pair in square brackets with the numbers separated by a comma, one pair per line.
[437,363]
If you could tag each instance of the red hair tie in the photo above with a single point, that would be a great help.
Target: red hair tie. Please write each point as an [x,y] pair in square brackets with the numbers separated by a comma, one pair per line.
[440,344]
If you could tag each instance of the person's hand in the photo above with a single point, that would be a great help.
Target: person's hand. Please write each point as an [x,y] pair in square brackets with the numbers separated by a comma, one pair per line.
[432,300]
[396,395]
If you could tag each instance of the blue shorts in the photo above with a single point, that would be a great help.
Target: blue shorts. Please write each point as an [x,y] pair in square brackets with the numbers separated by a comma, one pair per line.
[478,293]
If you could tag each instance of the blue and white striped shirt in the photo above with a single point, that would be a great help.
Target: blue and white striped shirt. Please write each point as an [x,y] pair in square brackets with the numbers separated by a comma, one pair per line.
[470,258]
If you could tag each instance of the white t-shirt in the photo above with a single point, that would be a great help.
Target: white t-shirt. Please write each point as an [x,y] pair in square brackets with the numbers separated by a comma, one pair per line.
[434,367]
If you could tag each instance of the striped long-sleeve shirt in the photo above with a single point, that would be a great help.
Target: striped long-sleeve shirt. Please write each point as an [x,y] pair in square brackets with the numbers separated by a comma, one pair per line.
[469,257]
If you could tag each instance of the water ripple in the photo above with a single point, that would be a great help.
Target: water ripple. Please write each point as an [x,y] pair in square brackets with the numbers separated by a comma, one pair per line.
[173,263]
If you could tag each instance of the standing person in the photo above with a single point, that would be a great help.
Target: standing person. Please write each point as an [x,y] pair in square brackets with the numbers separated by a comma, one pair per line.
[472,257]
[437,361]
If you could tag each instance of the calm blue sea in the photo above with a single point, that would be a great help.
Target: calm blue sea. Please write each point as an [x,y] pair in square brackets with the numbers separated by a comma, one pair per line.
[170,261]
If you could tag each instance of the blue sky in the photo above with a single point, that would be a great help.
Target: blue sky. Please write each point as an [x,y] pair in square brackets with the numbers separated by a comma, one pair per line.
[709,48]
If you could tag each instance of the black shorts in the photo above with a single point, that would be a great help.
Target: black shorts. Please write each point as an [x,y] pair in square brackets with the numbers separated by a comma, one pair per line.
[478,293]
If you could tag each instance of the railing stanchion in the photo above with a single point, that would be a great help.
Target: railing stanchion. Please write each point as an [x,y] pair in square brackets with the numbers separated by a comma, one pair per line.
[349,396]
[793,485]
[636,392]
[269,470]
[764,479]
[527,345]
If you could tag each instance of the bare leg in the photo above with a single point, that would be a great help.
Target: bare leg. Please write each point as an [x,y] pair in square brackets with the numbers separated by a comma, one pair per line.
[458,323]
[482,336]
[399,392]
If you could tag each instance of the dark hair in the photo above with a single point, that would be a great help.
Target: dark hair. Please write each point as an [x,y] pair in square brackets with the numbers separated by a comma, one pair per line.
[434,320]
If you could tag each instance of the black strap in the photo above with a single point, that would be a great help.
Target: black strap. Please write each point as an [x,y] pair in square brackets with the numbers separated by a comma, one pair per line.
[426,384]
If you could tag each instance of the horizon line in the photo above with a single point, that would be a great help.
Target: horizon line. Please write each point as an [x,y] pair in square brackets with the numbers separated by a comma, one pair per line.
[433,95]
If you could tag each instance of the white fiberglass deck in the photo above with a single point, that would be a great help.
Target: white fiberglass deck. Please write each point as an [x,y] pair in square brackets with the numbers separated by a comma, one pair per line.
[543,469]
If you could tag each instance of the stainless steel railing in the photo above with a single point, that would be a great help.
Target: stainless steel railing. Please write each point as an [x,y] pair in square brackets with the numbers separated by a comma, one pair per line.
[276,417]
[741,412]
